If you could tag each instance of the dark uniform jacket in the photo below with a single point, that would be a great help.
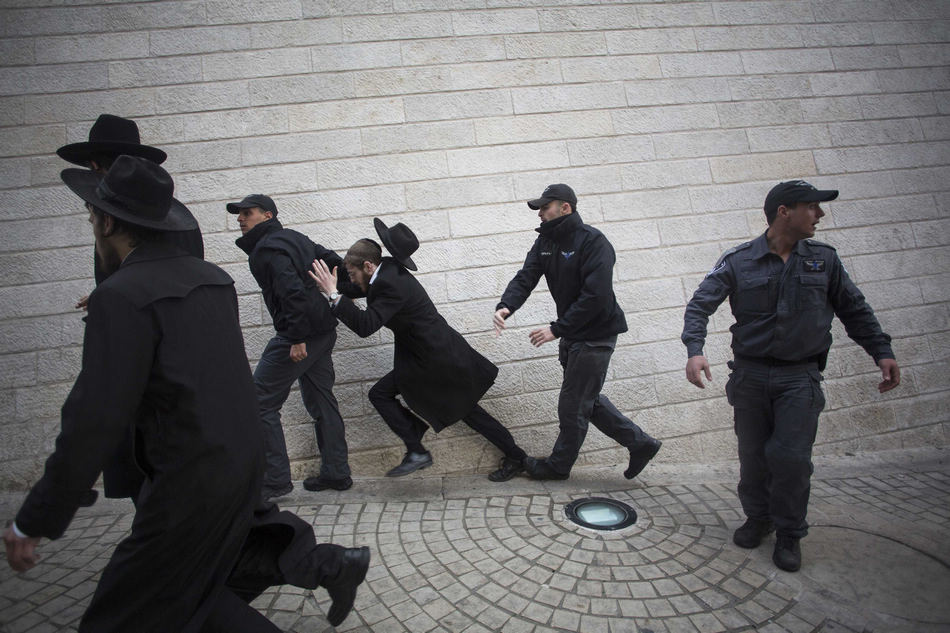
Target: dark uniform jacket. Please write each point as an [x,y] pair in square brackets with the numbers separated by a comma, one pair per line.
[279,259]
[162,351]
[783,310]
[437,372]
[577,262]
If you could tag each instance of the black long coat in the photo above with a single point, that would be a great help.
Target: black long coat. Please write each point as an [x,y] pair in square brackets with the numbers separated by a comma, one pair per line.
[163,350]
[437,372]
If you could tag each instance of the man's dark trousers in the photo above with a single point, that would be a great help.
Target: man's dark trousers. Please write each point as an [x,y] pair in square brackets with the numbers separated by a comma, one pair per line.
[776,410]
[410,428]
[585,369]
[273,377]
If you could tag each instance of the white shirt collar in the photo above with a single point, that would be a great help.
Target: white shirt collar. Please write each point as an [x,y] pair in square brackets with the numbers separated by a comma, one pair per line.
[375,272]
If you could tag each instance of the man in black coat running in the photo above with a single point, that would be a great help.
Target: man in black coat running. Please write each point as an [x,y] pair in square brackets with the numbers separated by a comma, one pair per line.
[163,353]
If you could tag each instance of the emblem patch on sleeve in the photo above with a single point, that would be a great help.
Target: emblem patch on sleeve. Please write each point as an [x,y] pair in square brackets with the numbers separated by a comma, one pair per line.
[814,265]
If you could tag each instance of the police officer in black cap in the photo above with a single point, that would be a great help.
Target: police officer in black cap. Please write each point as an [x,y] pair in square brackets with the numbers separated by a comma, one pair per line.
[783,288]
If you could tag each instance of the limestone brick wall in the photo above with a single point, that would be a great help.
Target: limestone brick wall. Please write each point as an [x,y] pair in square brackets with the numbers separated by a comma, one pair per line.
[670,119]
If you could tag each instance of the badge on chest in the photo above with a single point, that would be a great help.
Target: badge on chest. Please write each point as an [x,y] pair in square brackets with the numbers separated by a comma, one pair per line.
[813,265]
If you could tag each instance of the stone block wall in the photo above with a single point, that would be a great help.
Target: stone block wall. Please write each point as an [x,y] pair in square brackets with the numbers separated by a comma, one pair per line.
[670,119]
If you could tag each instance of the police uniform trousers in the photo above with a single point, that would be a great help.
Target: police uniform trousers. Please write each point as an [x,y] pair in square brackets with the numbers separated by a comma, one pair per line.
[274,376]
[775,408]
[580,402]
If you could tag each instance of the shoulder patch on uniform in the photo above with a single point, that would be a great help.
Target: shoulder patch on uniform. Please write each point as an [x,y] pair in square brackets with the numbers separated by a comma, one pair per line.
[722,258]
[736,249]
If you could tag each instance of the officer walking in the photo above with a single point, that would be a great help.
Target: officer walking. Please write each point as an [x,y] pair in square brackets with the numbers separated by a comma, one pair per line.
[783,288]
[577,261]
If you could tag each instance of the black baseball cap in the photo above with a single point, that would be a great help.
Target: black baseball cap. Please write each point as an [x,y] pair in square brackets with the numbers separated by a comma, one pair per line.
[264,203]
[554,192]
[792,191]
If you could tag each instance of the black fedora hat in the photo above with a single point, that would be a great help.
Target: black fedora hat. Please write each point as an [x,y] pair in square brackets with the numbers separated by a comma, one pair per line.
[111,135]
[399,240]
[134,190]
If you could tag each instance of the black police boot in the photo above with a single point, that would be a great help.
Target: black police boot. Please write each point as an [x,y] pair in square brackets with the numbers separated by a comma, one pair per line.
[641,456]
[788,553]
[541,469]
[752,532]
[507,469]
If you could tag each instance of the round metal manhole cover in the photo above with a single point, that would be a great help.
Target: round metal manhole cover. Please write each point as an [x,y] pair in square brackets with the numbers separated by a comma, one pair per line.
[879,573]
[600,513]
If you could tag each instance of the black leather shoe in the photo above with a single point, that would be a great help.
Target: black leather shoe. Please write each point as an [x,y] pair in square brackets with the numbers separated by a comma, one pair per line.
[787,554]
[540,469]
[506,470]
[411,463]
[314,484]
[273,492]
[342,589]
[641,456]
[752,532]
[88,498]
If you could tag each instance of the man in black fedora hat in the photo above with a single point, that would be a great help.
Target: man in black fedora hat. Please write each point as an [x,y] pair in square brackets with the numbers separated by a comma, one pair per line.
[301,348]
[435,370]
[109,137]
[784,289]
[163,352]
[577,261]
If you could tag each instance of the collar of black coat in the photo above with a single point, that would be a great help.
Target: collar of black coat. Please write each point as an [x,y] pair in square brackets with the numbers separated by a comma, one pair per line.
[249,240]
[393,262]
[176,274]
[560,228]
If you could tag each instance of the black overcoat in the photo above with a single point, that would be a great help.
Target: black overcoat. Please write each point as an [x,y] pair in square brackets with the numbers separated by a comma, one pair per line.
[437,372]
[163,350]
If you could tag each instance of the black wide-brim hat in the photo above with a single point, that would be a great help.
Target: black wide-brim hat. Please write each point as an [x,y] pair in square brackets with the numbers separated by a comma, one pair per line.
[134,190]
[111,135]
[399,240]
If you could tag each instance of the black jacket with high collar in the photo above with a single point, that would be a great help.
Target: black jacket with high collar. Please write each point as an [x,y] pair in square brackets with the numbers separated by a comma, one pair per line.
[577,262]
[279,259]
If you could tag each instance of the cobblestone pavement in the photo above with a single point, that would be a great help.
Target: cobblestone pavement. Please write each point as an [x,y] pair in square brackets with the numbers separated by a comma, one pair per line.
[463,554]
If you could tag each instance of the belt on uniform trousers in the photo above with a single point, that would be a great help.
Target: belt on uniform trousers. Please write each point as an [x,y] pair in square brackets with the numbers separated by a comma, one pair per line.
[771,361]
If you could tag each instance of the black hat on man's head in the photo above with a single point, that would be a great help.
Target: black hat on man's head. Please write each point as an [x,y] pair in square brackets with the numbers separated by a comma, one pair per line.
[554,192]
[399,240]
[259,200]
[134,190]
[111,135]
[793,191]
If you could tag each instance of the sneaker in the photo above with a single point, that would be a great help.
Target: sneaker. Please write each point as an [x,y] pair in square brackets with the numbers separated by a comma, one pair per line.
[342,588]
[641,456]
[752,532]
[788,553]
[411,463]
[540,469]
[273,492]
[507,469]
[314,484]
